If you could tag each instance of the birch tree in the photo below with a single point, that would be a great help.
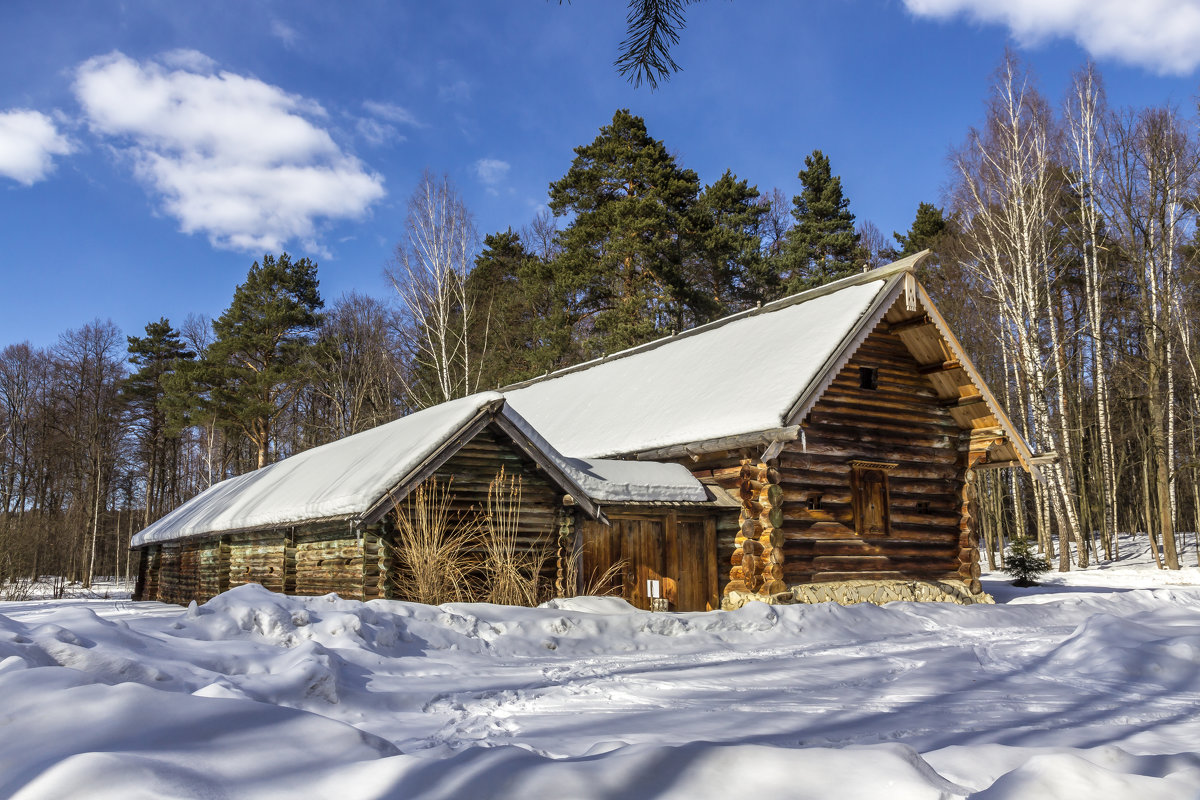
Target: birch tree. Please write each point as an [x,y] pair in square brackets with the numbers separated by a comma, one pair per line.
[429,275]
[1084,112]
[1150,169]
[1008,197]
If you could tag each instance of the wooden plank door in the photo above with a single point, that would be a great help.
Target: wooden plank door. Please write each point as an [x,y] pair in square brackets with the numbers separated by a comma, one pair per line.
[642,548]
[692,556]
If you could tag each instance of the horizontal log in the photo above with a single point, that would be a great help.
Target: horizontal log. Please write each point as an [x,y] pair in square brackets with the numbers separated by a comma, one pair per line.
[868,403]
[883,575]
[841,435]
[850,563]
[836,532]
[931,551]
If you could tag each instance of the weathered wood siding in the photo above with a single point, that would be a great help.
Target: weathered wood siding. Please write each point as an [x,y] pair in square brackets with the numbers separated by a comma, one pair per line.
[901,422]
[468,474]
[258,557]
[213,575]
[151,570]
[329,560]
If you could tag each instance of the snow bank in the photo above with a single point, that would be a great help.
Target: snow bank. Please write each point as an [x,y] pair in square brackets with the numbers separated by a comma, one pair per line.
[258,695]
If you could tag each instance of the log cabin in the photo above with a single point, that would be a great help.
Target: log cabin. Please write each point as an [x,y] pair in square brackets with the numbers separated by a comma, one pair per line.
[842,472]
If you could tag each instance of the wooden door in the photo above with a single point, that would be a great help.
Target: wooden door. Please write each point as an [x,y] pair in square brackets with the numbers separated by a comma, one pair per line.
[691,547]
[679,553]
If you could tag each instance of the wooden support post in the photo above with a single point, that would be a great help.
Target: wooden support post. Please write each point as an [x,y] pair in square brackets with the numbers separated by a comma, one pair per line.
[223,565]
[376,546]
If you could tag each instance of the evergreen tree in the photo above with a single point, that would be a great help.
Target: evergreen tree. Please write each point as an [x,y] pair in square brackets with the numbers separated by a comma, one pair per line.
[253,371]
[622,259]
[725,264]
[156,355]
[822,246]
[1023,564]
[927,227]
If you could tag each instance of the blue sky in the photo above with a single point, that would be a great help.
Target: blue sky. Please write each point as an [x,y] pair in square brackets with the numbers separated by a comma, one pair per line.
[150,151]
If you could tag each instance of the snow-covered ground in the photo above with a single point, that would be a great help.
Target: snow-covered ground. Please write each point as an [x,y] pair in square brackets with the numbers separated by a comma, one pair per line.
[1088,686]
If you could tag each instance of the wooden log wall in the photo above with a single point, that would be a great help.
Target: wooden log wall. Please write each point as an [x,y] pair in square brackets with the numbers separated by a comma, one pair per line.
[469,473]
[177,575]
[258,557]
[901,422]
[377,563]
[213,575]
[328,560]
[729,470]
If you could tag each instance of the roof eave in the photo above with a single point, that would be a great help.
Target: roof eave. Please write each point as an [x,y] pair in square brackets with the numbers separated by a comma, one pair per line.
[862,328]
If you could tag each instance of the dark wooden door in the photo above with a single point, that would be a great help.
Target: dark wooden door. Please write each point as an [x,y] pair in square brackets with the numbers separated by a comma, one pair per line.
[679,553]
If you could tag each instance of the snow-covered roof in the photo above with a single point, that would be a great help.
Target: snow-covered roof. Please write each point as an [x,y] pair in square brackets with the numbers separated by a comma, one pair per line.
[753,373]
[743,374]
[350,477]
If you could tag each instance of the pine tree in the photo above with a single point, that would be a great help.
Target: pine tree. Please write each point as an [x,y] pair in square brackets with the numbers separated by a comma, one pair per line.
[927,227]
[1022,564]
[156,355]
[525,322]
[622,256]
[822,246]
[252,373]
[724,263]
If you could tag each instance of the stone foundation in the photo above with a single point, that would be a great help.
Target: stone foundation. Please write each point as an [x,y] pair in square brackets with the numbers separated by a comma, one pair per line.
[878,592]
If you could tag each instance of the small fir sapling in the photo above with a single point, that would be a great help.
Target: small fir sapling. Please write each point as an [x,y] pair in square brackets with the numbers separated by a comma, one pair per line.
[1022,563]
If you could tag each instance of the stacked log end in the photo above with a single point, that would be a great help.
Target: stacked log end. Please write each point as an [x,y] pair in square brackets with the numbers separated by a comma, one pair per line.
[968,541]
[565,552]
[757,561]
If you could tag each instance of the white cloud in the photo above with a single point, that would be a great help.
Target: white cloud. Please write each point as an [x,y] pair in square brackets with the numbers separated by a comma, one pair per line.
[229,156]
[491,170]
[285,33]
[392,113]
[380,127]
[1163,35]
[190,60]
[29,140]
[377,133]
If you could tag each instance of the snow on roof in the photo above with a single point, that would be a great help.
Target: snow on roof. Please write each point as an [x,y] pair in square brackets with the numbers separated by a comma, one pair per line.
[739,375]
[338,479]
[348,477]
[613,481]
[735,376]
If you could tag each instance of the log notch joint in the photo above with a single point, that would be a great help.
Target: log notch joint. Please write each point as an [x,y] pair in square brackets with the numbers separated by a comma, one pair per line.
[757,562]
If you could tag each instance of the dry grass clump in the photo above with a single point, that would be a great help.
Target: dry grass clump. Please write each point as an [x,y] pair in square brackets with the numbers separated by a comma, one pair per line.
[434,549]
[512,572]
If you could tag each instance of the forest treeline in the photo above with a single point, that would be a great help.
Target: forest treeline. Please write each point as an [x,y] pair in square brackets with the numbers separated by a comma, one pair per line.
[1065,256]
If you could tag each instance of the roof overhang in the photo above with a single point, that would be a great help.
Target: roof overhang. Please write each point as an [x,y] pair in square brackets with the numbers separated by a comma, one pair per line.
[495,412]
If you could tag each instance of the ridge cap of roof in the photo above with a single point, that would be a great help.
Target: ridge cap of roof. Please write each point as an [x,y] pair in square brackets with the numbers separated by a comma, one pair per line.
[907,264]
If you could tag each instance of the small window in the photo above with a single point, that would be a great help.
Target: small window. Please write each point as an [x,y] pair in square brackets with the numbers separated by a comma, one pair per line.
[814,502]
[868,377]
[922,506]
